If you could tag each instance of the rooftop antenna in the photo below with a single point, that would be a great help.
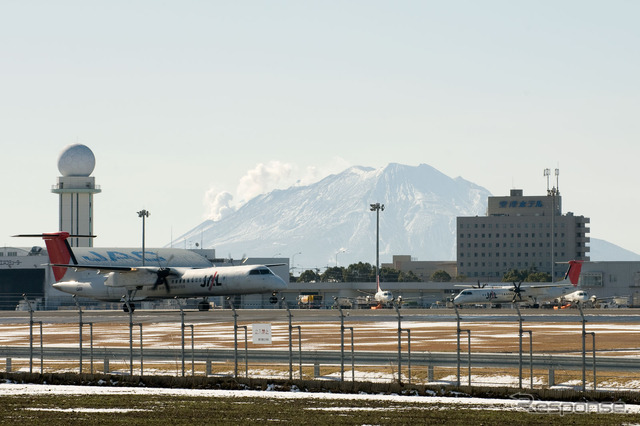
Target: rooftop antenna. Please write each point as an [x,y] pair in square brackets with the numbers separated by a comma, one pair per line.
[547,172]
[553,193]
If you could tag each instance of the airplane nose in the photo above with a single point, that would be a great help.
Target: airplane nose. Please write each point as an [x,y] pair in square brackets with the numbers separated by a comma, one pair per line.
[61,286]
[67,286]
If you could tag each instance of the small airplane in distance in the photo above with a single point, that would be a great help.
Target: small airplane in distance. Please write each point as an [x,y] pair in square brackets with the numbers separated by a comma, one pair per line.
[383,297]
[571,299]
[534,293]
[121,276]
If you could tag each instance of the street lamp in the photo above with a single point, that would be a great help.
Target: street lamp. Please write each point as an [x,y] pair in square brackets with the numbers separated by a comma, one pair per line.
[143,214]
[293,261]
[376,208]
[339,251]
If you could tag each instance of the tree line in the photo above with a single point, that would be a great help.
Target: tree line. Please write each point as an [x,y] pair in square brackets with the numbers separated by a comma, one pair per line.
[365,272]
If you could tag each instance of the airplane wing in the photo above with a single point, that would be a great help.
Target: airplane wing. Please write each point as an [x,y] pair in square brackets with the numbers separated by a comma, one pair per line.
[547,285]
[132,277]
[97,267]
[106,268]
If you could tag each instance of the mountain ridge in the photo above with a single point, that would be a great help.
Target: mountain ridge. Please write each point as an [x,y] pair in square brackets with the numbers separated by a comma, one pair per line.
[313,224]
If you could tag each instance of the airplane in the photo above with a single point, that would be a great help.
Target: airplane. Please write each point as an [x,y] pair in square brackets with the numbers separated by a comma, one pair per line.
[383,297]
[121,275]
[571,299]
[533,294]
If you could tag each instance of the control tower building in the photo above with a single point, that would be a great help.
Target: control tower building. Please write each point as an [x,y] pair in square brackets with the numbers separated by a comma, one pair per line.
[76,188]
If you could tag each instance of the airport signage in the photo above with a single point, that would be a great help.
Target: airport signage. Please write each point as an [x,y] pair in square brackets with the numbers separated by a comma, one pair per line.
[521,204]
[261,334]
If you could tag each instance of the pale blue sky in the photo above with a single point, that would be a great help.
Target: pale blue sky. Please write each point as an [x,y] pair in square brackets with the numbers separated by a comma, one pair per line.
[180,99]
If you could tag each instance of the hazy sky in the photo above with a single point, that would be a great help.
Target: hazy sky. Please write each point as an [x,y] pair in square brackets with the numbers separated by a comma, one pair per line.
[191,107]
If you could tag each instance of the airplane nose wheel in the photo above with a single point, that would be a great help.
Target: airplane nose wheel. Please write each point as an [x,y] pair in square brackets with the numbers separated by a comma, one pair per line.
[203,306]
[125,308]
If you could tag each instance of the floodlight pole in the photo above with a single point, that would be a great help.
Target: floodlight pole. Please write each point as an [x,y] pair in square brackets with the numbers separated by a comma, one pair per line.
[143,214]
[337,253]
[376,207]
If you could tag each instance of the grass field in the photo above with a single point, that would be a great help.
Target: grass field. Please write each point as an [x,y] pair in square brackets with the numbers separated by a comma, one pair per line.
[180,410]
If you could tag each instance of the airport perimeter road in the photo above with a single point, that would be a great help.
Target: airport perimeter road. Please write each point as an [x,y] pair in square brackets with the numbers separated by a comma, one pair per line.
[325,315]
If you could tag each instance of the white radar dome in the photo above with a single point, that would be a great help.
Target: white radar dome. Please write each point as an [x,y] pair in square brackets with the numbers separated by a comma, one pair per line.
[76,160]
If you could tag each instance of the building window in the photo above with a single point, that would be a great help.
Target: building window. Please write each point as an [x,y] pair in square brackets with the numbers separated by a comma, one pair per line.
[591,279]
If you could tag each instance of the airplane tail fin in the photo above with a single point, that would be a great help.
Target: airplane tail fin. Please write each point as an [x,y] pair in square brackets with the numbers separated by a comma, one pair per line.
[59,251]
[573,272]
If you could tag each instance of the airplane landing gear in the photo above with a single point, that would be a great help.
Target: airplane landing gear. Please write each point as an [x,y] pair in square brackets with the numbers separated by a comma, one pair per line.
[125,308]
[203,306]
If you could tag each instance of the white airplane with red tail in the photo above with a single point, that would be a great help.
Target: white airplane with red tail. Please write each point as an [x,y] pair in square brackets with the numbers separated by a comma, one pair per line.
[117,274]
[534,294]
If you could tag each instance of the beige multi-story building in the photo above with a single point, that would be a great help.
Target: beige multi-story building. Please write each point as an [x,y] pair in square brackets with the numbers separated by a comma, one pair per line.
[422,269]
[517,233]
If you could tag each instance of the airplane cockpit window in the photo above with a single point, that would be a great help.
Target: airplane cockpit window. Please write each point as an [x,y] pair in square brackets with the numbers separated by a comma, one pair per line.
[260,271]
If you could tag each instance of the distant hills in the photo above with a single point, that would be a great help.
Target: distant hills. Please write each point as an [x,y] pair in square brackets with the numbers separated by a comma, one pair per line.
[330,222]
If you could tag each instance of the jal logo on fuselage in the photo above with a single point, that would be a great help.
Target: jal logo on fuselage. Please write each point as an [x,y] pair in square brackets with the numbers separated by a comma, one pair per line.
[117,256]
[211,281]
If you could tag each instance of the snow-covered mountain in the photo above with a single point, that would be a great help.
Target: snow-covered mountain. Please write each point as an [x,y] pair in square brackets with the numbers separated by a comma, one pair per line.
[604,251]
[311,225]
[317,221]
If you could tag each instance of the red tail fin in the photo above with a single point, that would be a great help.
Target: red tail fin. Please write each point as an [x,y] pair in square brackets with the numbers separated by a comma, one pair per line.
[573,273]
[59,252]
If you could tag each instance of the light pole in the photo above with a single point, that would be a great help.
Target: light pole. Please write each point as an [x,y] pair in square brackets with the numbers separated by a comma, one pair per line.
[293,261]
[376,208]
[339,251]
[553,193]
[143,214]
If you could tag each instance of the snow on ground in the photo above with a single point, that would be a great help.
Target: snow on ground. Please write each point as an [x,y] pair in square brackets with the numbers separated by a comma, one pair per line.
[430,402]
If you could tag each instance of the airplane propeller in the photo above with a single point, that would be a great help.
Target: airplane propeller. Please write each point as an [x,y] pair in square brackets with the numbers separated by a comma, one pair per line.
[480,285]
[516,292]
[163,273]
